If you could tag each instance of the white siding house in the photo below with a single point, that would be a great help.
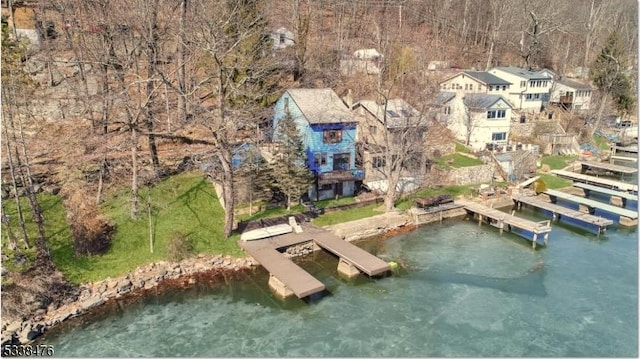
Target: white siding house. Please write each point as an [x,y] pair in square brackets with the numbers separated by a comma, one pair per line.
[571,95]
[476,82]
[484,118]
[530,90]
[282,38]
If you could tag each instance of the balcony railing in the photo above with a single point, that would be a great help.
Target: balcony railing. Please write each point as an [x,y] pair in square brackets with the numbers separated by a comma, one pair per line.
[340,176]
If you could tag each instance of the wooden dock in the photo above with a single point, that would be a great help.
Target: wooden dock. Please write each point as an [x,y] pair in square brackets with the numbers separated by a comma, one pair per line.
[560,213]
[530,230]
[608,167]
[356,256]
[603,182]
[624,216]
[286,278]
[282,269]
[626,199]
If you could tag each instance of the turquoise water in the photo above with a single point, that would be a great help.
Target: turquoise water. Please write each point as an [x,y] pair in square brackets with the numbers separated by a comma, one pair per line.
[464,290]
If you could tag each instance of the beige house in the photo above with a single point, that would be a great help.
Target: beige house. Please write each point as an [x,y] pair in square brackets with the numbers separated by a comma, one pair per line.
[571,95]
[476,82]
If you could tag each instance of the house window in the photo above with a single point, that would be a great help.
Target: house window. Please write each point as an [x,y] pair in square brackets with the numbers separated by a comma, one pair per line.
[378,162]
[282,38]
[504,87]
[523,84]
[373,130]
[490,88]
[470,87]
[447,110]
[528,97]
[341,162]
[320,159]
[326,187]
[498,136]
[332,136]
[496,114]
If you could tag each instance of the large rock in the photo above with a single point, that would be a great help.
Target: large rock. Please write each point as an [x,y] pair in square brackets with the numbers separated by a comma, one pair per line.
[91,302]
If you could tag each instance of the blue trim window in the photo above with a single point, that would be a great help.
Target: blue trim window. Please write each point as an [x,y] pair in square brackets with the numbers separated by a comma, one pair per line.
[320,159]
[332,136]
[496,114]
[498,136]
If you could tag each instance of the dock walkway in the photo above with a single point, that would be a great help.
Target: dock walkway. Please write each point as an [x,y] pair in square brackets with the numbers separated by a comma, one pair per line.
[562,213]
[356,256]
[603,182]
[609,192]
[626,216]
[504,221]
[607,167]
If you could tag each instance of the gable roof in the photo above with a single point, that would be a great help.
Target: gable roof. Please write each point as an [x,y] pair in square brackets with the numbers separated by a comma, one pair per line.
[574,84]
[481,101]
[487,78]
[367,54]
[443,97]
[399,112]
[321,106]
[527,74]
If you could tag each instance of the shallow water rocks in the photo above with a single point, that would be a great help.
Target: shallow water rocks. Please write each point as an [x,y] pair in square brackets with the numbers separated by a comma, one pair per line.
[95,294]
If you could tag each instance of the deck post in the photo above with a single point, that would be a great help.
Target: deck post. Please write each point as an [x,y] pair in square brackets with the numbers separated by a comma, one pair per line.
[501,224]
[279,288]
[347,269]
[546,238]
[535,239]
[479,219]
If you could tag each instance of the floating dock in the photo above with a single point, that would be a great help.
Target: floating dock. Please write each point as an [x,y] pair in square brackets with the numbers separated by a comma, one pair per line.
[623,216]
[602,182]
[286,278]
[533,231]
[587,221]
[616,198]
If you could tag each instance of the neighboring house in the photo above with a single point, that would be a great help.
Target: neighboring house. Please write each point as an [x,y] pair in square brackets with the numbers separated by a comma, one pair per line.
[483,118]
[24,20]
[571,95]
[530,90]
[328,130]
[476,82]
[367,61]
[518,165]
[282,38]
[383,128]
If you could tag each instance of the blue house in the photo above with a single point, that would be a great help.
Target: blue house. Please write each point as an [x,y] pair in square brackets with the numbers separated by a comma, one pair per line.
[328,131]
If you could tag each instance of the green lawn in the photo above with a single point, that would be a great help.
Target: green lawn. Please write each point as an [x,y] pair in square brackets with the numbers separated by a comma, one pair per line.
[347,215]
[554,182]
[601,142]
[557,162]
[186,203]
[461,148]
[271,213]
[457,160]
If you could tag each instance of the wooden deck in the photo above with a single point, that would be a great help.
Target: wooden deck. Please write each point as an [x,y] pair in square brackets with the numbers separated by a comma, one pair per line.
[560,212]
[623,158]
[604,182]
[627,149]
[609,192]
[358,257]
[593,204]
[299,281]
[505,221]
[607,167]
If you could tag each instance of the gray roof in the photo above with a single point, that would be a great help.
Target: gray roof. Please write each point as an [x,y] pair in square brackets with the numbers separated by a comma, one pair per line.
[528,74]
[321,106]
[482,101]
[574,84]
[399,112]
[443,97]
[487,78]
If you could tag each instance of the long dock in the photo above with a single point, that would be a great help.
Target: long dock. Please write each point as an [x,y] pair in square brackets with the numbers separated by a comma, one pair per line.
[625,199]
[358,257]
[590,222]
[286,278]
[603,182]
[622,215]
[527,229]
[608,167]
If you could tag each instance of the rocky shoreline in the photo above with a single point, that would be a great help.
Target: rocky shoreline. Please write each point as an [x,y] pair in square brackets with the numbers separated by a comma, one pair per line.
[140,281]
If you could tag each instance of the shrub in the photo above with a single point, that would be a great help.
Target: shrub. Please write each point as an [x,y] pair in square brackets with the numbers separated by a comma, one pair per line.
[91,232]
[179,247]
[540,186]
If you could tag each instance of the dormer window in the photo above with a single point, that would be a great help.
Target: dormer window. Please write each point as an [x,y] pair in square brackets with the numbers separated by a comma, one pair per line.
[332,136]
[282,38]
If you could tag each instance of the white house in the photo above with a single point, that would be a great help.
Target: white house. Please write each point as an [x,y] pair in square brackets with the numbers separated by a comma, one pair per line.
[571,95]
[282,38]
[476,82]
[481,118]
[530,90]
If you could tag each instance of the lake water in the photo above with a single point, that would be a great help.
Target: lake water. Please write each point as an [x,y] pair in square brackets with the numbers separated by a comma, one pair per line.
[464,290]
